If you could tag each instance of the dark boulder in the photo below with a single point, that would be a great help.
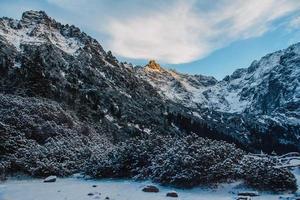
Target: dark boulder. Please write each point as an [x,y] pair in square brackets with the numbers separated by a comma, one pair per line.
[248,194]
[150,188]
[172,194]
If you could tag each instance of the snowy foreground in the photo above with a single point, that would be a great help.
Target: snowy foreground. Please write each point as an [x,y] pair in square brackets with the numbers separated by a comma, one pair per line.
[78,189]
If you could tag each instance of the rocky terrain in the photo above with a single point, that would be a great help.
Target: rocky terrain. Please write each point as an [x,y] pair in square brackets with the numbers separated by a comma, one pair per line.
[66,105]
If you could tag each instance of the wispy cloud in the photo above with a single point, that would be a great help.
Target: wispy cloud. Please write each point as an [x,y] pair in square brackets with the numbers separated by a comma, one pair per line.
[295,23]
[180,31]
[172,35]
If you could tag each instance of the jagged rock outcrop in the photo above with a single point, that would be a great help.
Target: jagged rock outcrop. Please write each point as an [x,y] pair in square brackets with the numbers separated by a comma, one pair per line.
[153,65]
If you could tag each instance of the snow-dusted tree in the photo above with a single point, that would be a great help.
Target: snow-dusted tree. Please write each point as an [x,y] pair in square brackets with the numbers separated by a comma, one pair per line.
[262,173]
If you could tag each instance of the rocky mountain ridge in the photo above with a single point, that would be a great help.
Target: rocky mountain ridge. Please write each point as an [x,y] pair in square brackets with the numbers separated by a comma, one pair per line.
[241,92]
[262,98]
[62,63]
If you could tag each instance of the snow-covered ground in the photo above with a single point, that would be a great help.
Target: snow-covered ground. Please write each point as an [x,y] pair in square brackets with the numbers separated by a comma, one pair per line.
[78,189]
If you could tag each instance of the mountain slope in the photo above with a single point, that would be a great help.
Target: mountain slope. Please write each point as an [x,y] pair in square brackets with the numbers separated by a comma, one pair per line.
[267,86]
[62,63]
[260,100]
[181,88]
[46,66]
[264,87]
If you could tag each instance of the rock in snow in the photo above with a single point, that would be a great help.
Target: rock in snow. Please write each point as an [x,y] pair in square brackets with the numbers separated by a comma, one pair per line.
[248,193]
[50,179]
[150,188]
[243,198]
[172,194]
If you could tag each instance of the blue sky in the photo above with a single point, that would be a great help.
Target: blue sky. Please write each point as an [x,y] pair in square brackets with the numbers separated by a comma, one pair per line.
[191,36]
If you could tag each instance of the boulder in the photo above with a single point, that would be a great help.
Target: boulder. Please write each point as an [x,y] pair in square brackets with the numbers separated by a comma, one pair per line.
[150,188]
[172,194]
[243,198]
[289,198]
[50,179]
[249,194]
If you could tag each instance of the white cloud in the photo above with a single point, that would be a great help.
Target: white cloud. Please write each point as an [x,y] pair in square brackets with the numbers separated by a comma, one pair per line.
[295,23]
[168,36]
[178,31]
[184,33]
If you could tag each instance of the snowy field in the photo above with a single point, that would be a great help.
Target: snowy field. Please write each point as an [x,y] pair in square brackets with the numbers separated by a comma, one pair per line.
[78,189]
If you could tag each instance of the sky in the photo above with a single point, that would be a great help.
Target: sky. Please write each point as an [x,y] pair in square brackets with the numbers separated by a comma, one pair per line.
[191,36]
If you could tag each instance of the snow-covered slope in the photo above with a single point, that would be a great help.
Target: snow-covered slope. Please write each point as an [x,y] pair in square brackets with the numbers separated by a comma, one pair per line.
[181,88]
[78,189]
[257,104]
[269,87]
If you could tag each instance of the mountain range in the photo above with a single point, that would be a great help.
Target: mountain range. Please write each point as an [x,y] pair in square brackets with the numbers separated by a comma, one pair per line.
[62,93]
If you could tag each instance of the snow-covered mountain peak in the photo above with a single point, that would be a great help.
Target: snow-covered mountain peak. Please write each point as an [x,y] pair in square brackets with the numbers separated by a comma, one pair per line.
[269,87]
[36,28]
[274,78]
[35,17]
[181,88]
